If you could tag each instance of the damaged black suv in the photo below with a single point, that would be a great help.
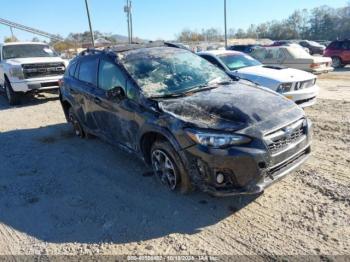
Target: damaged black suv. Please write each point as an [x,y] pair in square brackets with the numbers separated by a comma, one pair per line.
[195,126]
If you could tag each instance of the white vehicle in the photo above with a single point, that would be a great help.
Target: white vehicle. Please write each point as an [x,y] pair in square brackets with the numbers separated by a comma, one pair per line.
[297,85]
[26,67]
[293,56]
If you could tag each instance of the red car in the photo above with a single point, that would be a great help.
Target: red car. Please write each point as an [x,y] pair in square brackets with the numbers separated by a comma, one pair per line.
[339,51]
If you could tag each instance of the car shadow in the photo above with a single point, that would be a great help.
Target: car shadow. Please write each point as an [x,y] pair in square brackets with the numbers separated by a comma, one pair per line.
[29,99]
[59,188]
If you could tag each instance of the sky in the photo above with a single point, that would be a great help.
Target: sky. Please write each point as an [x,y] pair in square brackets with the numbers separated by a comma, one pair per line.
[153,19]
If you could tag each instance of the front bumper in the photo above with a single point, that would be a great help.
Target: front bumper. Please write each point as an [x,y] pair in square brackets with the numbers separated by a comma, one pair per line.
[282,170]
[247,170]
[39,84]
[322,70]
[304,97]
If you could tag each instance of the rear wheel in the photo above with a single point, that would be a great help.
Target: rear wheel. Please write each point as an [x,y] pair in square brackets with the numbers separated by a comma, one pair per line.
[336,61]
[12,97]
[77,127]
[168,167]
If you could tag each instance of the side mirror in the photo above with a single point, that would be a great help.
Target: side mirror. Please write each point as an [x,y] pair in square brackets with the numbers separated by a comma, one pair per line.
[116,93]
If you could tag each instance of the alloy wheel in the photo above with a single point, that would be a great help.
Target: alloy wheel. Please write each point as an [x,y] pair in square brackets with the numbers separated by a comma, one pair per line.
[164,169]
[336,62]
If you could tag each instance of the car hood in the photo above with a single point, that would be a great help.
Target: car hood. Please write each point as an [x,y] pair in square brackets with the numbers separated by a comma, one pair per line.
[34,60]
[232,107]
[281,75]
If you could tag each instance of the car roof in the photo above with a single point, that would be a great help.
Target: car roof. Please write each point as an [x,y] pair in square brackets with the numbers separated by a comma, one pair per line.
[220,52]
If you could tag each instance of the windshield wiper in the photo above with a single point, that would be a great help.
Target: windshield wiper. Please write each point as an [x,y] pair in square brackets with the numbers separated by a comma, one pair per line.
[199,88]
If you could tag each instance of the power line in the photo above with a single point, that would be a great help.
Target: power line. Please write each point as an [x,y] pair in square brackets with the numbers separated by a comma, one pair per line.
[29,29]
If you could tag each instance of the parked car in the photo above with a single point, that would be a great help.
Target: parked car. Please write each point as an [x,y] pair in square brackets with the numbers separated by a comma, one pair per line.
[293,57]
[186,118]
[297,85]
[314,47]
[292,43]
[282,43]
[243,48]
[339,51]
[27,67]
[324,42]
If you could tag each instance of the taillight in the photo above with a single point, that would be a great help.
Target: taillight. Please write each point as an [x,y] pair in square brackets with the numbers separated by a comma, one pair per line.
[314,65]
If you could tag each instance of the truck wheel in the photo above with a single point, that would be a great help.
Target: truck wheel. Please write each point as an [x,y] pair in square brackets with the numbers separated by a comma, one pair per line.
[12,97]
[168,167]
[336,61]
[77,127]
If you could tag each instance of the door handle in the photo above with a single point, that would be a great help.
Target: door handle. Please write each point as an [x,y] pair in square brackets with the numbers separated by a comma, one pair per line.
[97,100]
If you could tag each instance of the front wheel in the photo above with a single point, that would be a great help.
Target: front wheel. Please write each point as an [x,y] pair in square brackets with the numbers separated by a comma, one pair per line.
[168,167]
[12,96]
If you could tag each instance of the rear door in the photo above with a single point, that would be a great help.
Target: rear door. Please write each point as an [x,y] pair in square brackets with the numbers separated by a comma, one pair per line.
[85,88]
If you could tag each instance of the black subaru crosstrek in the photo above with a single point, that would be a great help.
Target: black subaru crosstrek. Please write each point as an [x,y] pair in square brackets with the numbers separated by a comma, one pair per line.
[186,118]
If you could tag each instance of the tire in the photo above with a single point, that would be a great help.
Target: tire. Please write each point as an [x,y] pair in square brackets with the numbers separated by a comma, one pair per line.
[172,167]
[77,127]
[336,62]
[11,96]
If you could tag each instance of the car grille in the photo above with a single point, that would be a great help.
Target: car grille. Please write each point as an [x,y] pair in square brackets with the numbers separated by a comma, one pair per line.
[279,168]
[304,84]
[284,137]
[43,69]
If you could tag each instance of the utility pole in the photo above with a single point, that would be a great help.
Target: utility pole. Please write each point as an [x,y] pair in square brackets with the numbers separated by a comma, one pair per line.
[128,11]
[12,35]
[91,32]
[131,25]
[225,15]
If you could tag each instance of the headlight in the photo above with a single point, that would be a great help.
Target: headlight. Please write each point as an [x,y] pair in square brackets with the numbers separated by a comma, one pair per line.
[217,140]
[284,88]
[17,72]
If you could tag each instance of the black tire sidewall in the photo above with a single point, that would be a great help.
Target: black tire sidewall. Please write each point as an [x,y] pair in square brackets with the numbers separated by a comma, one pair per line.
[72,115]
[339,60]
[184,183]
[14,99]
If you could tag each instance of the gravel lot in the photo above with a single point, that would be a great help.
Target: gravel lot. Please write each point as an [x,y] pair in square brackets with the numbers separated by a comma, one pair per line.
[63,195]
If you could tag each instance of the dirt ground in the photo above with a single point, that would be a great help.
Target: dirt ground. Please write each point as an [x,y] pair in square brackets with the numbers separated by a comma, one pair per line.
[60,195]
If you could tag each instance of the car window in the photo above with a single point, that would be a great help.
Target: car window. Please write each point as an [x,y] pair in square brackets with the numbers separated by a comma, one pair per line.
[163,71]
[274,54]
[88,70]
[297,52]
[110,76]
[72,68]
[259,53]
[335,45]
[213,61]
[345,46]
[238,61]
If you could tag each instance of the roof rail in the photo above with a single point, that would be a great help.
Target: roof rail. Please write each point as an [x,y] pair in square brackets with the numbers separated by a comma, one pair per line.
[91,51]
[134,46]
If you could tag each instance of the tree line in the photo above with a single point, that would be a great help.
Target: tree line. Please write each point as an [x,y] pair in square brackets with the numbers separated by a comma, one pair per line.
[320,23]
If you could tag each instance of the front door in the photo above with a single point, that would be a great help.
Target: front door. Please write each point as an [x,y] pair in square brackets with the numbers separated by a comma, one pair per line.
[114,117]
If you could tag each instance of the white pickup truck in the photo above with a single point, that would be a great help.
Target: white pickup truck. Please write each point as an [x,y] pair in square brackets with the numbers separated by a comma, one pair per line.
[26,67]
